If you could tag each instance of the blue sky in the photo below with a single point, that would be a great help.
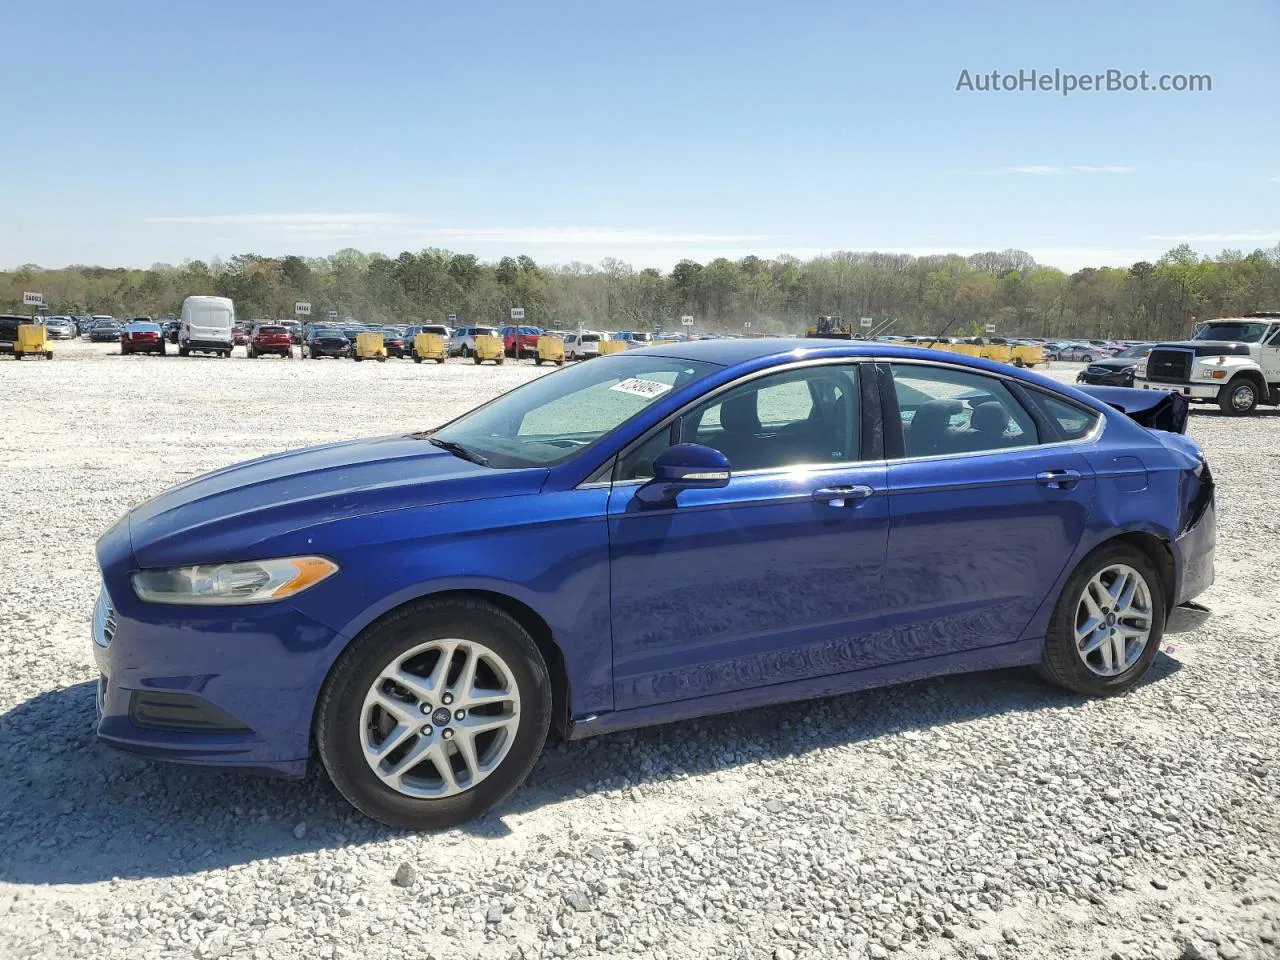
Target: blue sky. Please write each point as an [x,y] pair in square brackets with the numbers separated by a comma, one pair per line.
[144,132]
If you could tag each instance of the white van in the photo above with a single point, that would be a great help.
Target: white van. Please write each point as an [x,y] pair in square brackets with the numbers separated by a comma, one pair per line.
[206,326]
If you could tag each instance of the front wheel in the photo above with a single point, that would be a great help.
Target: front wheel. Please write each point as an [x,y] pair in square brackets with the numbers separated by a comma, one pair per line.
[1238,397]
[1108,624]
[434,714]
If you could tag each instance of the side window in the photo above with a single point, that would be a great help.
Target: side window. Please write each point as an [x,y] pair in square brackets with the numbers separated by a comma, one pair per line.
[947,411]
[801,417]
[1074,422]
[1275,338]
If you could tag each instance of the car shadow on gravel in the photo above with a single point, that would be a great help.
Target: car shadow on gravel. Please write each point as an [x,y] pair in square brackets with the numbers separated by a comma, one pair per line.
[74,811]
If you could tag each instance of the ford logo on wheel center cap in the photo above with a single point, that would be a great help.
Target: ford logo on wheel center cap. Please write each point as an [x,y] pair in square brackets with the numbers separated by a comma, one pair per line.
[441,717]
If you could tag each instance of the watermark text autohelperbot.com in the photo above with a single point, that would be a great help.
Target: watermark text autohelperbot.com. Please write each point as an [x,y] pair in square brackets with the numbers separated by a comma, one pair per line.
[1061,82]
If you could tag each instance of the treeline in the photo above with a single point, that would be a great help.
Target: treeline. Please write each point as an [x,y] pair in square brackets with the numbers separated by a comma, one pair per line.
[921,294]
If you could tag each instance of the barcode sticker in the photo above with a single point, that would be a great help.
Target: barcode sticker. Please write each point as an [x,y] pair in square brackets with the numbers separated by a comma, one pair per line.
[642,388]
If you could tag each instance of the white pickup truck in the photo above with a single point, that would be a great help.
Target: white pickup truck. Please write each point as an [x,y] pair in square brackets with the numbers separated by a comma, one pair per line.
[1234,362]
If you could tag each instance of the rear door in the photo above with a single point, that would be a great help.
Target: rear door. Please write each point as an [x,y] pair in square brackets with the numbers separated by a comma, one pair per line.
[987,503]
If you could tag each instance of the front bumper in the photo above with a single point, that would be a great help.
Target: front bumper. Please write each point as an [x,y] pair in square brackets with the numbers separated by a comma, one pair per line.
[1196,391]
[232,687]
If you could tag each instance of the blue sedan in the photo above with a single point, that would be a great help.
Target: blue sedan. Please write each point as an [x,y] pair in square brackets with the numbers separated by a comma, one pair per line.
[659,534]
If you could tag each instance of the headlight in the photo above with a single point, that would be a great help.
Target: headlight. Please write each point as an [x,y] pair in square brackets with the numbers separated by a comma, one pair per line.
[1213,374]
[221,584]
[1140,370]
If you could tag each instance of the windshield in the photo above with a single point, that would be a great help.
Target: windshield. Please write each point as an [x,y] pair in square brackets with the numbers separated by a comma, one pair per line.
[1236,331]
[557,416]
[1139,351]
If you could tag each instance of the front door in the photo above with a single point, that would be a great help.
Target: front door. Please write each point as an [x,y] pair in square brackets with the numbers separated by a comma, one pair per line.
[776,577]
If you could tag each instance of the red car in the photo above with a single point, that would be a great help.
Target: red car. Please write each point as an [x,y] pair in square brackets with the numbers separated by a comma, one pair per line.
[270,338]
[239,337]
[141,336]
[520,341]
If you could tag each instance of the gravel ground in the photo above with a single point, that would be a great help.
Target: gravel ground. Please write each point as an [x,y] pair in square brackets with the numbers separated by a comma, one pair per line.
[981,816]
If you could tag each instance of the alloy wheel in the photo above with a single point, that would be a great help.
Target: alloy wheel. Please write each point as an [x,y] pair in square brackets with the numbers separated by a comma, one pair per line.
[1113,620]
[440,718]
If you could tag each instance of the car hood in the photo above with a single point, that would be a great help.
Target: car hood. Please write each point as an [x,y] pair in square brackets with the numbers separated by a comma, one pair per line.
[1115,363]
[1210,348]
[229,513]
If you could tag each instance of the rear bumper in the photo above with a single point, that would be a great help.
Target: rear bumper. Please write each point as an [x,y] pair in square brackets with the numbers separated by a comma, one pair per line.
[1194,552]
[194,344]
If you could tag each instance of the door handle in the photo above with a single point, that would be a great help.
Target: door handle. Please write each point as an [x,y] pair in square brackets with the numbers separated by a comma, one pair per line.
[1058,479]
[843,496]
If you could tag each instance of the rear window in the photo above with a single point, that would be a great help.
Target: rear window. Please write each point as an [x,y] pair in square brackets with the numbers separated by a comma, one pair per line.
[591,338]
[272,329]
[440,330]
[484,331]
[1074,422]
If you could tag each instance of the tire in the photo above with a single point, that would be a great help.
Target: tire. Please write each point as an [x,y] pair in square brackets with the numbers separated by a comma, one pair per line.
[537,361]
[1239,397]
[1087,358]
[465,351]
[417,359]
[1064,664]
[501,361]
[48,354]
[559,363]
[477,360]
[357,358]
[343,723]
[439,359]
[183,351]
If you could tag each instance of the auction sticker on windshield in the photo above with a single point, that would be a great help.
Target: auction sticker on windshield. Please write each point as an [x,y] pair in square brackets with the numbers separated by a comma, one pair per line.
[641,388]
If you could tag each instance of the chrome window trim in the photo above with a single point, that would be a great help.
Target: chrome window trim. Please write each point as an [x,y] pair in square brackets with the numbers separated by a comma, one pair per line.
[1092,436]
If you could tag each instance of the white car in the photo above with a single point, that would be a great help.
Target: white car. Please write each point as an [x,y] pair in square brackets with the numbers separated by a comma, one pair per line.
[462,342]
[583,344]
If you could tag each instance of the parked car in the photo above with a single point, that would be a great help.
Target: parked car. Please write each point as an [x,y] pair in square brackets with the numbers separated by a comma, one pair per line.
[240,335]
[94,321]
[142,336]
[582,344]
[353,330]
[9,324]
[294,328]
[393,339]
[635,338]
[60,328]
[520,341]
[206,326]
[325,342]
[105,331]
[1086,352]
[83,323]
[418,611]
[270,339]
[462,341]
[1115,371]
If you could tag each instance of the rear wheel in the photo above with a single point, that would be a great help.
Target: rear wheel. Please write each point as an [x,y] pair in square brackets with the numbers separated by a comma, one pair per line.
[439,359]
[537,361]
[1238,397]
[1108,624]
[183,351]
[434,714]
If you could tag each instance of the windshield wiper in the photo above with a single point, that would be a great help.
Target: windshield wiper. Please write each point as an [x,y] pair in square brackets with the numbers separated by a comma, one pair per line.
[458,450]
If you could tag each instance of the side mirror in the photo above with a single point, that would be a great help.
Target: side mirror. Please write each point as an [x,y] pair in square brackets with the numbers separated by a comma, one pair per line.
[685,466]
